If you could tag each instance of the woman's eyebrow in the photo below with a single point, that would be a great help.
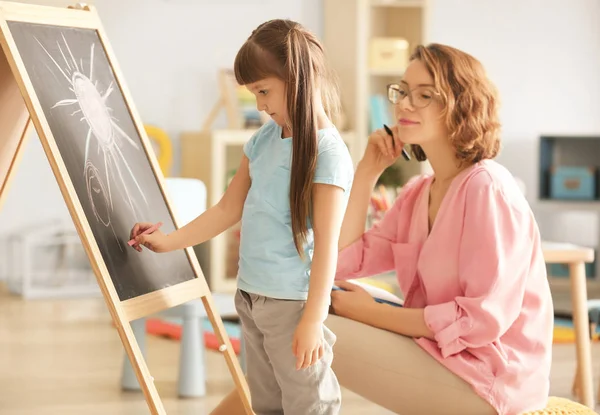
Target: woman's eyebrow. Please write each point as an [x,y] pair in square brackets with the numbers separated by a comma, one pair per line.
[430,85]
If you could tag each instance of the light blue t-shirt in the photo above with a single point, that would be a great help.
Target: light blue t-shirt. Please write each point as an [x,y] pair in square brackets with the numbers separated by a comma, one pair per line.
[269,264]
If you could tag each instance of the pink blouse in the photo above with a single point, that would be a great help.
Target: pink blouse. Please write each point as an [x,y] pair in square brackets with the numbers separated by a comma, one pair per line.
[480,277]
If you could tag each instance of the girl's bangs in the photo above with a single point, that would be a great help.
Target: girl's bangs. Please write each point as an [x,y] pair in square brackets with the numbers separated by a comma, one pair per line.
[253,64]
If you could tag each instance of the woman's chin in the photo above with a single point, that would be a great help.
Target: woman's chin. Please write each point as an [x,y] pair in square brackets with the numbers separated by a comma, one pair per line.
[409,139]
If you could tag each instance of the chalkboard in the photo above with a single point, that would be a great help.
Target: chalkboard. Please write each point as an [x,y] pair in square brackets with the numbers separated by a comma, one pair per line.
[102,151]
[58,74]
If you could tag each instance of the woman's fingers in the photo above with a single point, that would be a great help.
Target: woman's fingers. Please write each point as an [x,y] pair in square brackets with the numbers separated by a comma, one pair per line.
[384,145]
[389,143]
[398,142]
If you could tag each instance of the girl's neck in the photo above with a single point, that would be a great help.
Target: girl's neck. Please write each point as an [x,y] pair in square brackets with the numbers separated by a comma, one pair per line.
[323,121]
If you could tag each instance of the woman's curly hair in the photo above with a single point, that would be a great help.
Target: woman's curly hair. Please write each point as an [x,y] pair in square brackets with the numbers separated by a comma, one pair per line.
[470,102]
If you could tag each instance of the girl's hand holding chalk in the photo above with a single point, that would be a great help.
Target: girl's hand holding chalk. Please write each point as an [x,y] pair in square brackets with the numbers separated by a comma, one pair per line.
[148,235]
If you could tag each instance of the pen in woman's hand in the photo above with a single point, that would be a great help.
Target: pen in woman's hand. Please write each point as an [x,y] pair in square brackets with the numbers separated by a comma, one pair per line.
[404,152]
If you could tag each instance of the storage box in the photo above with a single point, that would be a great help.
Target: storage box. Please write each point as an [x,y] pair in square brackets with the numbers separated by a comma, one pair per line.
[388,53]
[576,183]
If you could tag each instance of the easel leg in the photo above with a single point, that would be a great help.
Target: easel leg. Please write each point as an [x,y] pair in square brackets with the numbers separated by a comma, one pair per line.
[15,124]
[129,381]
[242,357]
[139,365]
[7,165]
[230,356]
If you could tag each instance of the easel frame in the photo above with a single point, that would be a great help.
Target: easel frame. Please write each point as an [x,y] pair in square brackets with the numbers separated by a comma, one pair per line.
[227,100]
[20,109]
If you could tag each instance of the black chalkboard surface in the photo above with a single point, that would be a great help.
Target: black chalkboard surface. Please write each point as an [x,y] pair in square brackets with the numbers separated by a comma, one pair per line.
[102,152]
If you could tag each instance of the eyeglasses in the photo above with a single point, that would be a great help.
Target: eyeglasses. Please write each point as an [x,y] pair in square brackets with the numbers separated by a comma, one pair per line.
[420,97]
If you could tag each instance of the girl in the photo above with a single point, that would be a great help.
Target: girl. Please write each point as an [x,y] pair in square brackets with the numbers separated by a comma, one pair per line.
[475,333]
[290,193]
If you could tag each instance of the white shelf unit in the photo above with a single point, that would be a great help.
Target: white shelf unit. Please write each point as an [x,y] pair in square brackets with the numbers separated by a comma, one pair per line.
[209,156]
[349,26]
[568,149]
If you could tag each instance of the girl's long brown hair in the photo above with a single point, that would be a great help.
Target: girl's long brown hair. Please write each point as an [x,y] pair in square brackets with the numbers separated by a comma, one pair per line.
[285,50]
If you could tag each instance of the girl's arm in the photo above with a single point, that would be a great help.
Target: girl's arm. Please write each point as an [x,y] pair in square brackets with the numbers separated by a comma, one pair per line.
[355,218]
[218,218]
[328,212]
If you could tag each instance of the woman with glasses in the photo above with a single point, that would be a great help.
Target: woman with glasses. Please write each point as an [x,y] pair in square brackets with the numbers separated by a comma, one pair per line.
[475,333]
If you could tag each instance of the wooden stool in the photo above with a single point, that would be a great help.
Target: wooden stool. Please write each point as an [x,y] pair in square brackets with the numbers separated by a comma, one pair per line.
[562,406]
[577,257]
[594,317]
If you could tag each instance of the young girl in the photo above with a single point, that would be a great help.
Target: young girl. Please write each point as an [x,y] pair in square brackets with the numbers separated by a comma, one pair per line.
[290,192]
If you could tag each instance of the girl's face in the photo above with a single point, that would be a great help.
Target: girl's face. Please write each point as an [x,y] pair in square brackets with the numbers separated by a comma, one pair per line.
[418,108]
[270,96]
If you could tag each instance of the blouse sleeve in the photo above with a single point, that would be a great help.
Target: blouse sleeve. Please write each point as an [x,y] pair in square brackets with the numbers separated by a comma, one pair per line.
[494,259]
[372,253]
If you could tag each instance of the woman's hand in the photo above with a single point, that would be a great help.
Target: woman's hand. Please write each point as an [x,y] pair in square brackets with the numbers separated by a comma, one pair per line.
[155,241]
[351,301]
[382,150]
[308,343]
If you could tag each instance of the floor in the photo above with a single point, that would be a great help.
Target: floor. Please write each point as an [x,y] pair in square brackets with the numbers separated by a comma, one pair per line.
[64,357]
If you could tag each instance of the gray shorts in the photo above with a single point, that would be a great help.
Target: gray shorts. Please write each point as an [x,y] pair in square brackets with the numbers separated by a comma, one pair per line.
[276,386]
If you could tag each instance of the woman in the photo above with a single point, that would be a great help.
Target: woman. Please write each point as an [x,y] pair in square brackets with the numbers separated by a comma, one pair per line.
[475,333]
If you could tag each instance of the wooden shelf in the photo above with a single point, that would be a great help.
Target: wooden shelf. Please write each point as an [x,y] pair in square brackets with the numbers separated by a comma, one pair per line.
[233,137]
[397,3]
[391,73]
[349,26]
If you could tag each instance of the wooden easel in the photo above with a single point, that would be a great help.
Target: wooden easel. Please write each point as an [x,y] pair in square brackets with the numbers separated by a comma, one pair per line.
[228,100]
[20,108]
